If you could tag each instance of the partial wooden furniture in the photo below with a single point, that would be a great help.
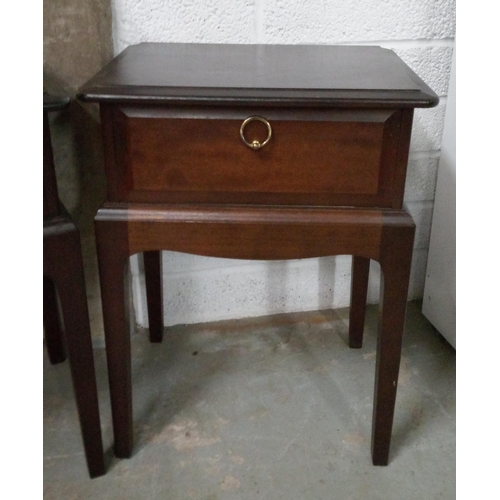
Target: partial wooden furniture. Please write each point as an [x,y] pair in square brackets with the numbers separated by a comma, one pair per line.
[63,273]
[257,152]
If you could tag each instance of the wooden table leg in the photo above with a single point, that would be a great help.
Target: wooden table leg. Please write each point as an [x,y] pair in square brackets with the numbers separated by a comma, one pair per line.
[113,255]
[152,271]
[243,233]
[395,261]
[63,263]
[52,324]
[360,270]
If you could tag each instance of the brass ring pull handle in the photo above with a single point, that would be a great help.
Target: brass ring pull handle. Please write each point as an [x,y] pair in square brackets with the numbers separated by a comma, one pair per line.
[256,144]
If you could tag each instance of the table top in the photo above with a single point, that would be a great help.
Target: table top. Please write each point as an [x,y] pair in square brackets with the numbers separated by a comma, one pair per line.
[351,76]
[52,102]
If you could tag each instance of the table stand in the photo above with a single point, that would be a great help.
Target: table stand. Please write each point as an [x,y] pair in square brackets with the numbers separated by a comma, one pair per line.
[256,233]
[256,152]
[63,272]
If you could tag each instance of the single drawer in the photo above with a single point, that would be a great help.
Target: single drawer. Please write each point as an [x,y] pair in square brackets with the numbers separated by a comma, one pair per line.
[202,155]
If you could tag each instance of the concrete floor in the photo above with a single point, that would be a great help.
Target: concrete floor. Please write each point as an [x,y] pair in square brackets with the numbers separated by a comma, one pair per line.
[275,407]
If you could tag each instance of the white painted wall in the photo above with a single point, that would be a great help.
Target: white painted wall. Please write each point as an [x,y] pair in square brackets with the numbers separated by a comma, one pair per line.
[201,289]
[440,292]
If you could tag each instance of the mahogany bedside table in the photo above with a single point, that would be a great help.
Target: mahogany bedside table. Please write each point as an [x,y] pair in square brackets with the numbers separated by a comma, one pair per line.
[256,152]
[63,276]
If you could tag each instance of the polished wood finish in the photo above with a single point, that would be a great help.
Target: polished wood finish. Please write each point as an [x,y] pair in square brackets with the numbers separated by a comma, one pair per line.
[329,182]
[113,254]
[319,157]
[360,270]
[52,102]
[62,263]
[270,233]
[267,75]
[395,261]
[154,294]
[249,233]
[50,196]
[51,206]
[63,277]
[52,324]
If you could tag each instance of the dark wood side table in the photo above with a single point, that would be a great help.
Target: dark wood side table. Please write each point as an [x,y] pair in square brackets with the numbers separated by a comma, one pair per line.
[257,152]
[63,273]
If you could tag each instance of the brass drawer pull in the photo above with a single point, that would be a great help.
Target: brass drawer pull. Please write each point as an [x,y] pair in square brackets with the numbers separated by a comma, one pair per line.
[256,144]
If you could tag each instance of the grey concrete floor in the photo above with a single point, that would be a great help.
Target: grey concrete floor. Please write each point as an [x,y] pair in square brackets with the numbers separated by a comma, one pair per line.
[274,407]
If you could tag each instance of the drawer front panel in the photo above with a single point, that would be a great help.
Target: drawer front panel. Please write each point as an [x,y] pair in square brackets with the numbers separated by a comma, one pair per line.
[313,157]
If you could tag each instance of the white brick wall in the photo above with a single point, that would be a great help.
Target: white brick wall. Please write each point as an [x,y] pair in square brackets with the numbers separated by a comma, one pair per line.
[421,32]
[343,21]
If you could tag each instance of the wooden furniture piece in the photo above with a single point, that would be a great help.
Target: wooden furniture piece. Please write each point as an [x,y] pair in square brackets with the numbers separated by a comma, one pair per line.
[63,273]
[256,152]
